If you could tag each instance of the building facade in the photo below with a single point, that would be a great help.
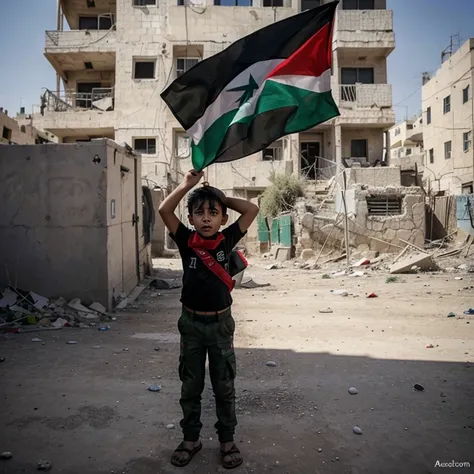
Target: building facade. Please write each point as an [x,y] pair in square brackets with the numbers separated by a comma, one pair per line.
[120,54]
[448,123]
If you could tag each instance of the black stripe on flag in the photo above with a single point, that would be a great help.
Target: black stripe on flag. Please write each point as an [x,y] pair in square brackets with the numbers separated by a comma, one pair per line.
[189,95]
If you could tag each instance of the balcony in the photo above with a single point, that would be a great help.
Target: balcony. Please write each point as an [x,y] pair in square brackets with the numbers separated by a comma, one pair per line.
[79,114]
[359,29]
[81,49]
[364,104]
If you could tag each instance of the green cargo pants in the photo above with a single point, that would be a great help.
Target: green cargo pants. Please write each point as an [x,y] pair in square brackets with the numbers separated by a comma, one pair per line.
[212,336]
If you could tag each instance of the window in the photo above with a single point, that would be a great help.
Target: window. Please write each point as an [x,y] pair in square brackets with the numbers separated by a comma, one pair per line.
[467,141]
[408,152]
[359,148]
[274,152]
[447,104]
[23,129]
[447,150]
[384,205]
[272,3]
[428,115]
[358,4]
[354,75]
[143,3]
[309,4]
[431,154]
[185,64]
[397,131]
[409,126]
[182,145]
[7,133]
[467,188]
[465,94]
[144,69]
[146,146]
[228,3]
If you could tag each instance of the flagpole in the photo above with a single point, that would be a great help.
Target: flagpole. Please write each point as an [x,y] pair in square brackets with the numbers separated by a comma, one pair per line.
[346,223]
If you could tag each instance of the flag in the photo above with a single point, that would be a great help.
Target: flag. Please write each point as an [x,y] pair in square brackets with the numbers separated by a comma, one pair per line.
[271,83]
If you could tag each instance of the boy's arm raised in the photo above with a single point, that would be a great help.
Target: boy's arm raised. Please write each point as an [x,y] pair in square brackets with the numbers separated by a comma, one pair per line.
[169,205]
[247,210]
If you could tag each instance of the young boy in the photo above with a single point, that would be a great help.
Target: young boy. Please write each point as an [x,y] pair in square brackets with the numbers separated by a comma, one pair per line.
[206,324]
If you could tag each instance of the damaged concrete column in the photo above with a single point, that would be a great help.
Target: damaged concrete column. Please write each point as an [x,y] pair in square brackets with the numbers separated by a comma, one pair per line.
[338,146]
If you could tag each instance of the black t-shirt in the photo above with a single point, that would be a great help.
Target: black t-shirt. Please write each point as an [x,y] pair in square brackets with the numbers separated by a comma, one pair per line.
[202,290]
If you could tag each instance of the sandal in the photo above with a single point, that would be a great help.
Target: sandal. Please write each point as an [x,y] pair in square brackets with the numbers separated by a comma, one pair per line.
[231,464]
[182,449]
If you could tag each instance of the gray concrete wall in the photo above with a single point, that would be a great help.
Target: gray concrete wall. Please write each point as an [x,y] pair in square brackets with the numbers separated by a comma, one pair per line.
[52,221]
[58,235]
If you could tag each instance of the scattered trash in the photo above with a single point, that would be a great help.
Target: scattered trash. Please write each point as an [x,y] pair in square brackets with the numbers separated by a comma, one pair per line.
[353,391]
[170,426]
[326,311]
[429,346]
[71,342]
[451,315]
[372,295]
[44,466]
[458,278]
[59,323]
[469,311]
[340,292]
[357,430]
[360,263]
[154,388]
[6,455]
[418,387]
[271,364]
[36,339]
[103,328]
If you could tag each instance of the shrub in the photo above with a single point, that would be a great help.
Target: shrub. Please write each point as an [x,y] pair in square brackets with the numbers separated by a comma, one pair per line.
[281,195]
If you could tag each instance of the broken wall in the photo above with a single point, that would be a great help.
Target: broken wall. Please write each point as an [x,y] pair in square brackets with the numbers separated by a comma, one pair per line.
[381,233]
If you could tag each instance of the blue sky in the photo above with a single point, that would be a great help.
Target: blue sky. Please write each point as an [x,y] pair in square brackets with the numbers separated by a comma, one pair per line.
[422,28]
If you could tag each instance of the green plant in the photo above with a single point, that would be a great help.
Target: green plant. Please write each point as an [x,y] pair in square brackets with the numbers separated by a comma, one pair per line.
[325,277]
[281,195]
[392,280]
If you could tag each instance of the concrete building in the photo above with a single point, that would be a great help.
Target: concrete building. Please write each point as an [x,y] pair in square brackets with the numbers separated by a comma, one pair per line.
[78,232]
[448,123]
[14,133]
[119,55]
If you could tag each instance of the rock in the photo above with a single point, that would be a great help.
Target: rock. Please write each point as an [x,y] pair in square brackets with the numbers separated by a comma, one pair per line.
[6,455]
[308,221]
[154,388]
[60,302]
[273,266]
[418,387]
[340,292]
[123,304]
[271,364]
[420,260]
[71,342]
[44,466]
[98,307]
[326,311]
[357,430]
[36,339]
[77,306]
[458,278]
[59,323]
[45,322]
[320,450]
[353,391]
[164,284]
[451,315]
[170,426]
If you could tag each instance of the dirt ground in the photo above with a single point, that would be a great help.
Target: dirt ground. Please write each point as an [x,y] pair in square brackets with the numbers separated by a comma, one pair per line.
[85,407]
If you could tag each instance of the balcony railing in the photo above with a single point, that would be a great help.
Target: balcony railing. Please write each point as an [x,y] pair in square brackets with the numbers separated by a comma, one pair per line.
[99,99]
[364,95]
[75,39]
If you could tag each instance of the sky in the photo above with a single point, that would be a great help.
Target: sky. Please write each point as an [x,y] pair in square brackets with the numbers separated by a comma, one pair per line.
[422,30]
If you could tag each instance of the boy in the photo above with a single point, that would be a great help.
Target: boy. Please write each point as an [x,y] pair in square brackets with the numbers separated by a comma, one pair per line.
[206,324]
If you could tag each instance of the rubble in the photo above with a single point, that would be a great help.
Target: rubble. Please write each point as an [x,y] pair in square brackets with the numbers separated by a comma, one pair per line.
[422,261]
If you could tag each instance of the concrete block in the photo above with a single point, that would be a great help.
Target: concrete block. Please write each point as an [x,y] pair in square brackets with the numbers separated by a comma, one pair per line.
[283,254]
[420,260]
[307,254]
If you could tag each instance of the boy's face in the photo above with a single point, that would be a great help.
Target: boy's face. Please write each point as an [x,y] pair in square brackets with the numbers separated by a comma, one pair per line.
[207,218]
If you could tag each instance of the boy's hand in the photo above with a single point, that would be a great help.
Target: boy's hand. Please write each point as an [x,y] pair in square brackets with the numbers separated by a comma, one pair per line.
[192,178]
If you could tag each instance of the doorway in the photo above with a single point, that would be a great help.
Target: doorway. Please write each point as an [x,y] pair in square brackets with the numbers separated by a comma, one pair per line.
[84,93]
[309,160]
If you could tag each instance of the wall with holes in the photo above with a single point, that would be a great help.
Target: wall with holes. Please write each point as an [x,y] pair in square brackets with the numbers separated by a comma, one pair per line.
[70,233]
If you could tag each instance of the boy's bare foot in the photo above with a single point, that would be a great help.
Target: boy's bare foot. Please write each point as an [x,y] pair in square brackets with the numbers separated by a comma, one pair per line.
[185,452]
[231,457]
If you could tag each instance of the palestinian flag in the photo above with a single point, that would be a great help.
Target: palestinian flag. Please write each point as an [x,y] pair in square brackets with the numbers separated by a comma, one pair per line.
[268,84]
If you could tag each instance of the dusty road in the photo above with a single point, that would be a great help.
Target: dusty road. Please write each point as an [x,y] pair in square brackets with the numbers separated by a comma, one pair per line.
[85,407]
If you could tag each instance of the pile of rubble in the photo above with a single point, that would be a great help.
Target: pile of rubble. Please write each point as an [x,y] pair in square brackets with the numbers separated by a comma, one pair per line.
[22,311]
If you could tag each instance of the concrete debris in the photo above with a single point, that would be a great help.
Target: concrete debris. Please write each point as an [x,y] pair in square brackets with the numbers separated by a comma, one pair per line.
[357,274]
[283,254]
[44,466]
[419,260]
[8,298]
[170,426]
[163,284]
[310,265]
[59,323]
[99,308]
[357,430]
[249,283]
[271,364]
[363,261]
[353,391]
[154,388]
[36,339]
[326,311]
[123,304]
[76,305]
[45,322]
[340,292]
[274,266]
[71,342]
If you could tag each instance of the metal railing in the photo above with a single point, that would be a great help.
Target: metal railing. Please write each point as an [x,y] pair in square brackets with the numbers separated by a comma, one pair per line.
[70,100]
[348,93]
